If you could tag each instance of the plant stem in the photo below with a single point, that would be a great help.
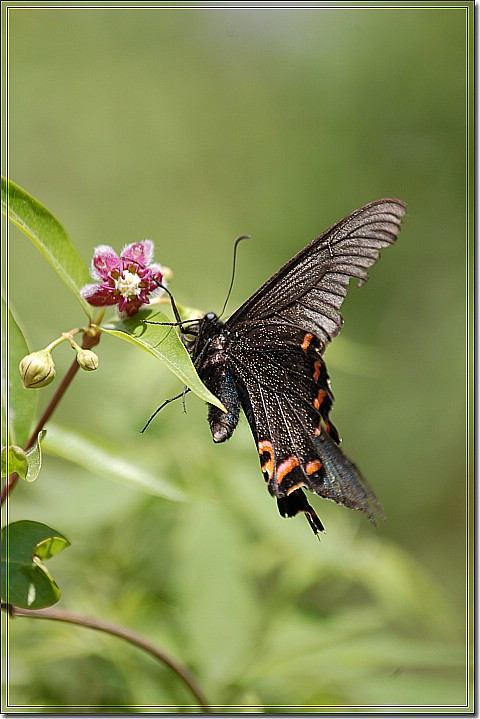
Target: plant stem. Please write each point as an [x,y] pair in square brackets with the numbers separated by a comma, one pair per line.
[87,343]
[117,631]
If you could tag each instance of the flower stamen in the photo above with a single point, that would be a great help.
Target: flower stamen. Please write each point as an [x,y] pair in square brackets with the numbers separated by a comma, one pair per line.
[128,284]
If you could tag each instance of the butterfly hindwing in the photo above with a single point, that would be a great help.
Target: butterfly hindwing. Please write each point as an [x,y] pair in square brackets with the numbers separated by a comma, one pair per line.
[286,397]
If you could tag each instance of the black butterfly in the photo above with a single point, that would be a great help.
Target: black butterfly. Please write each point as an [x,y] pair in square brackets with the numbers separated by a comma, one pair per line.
[267,359]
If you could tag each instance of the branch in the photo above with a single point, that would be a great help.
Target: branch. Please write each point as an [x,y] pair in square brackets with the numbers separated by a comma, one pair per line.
[87,343]
[61,615]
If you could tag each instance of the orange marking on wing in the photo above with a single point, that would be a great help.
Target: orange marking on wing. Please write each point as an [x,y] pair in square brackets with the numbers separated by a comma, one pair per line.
[285,467]
[265,446]
[319,398]
[267,465]
[294,487]
[318,368]
[313,466]
[306,341]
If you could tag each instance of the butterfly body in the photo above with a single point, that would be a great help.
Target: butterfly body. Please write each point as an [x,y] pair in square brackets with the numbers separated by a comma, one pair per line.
[210,354]
[267,358]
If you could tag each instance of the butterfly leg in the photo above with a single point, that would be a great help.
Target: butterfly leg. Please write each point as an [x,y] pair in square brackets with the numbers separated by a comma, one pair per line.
[164,404]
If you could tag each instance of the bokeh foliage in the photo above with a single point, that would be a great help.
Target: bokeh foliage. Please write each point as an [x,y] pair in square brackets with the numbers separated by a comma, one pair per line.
[191,126]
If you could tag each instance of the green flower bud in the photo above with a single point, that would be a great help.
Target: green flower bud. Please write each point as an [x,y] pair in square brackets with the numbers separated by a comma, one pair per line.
[37,369]
[87,360]
[167,273]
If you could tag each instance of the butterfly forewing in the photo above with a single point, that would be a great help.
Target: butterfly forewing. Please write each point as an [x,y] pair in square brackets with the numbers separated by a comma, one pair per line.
[314,283]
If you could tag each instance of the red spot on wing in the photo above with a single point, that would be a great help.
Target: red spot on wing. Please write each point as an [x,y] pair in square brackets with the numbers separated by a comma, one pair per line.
[319,398]
[313,466]
[306,341]
[317,367]
[265,446]
[265,450]
[285,467]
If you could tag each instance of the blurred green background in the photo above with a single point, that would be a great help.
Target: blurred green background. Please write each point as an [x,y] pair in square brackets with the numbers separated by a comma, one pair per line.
[190,126]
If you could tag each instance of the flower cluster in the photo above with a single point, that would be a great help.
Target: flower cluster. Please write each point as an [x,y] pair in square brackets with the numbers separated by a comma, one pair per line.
[128,281]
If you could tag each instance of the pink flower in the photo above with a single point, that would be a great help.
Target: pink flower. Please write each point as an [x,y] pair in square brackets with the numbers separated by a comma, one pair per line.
[128,281]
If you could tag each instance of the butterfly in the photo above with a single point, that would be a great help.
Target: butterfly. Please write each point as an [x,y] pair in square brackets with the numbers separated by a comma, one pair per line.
[267,359]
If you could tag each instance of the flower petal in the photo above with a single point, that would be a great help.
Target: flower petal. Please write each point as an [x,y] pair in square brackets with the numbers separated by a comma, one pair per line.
[105,259]
[131,307]
[99,295]
[153,288]
[157,272]
[141,252]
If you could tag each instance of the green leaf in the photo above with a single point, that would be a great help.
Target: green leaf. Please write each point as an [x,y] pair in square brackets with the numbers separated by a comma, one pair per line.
[163,343]
[48,235]
[107,462]
[25,580]
[22,402]
[26,464]
[34,458]
[203,532]
[14,459]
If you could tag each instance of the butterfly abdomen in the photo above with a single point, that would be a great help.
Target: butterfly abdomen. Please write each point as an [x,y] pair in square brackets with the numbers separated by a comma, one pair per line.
[222,424]
[211,360]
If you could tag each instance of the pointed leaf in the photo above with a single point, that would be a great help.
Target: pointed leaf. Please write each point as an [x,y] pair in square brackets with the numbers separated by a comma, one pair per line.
[163,343]
[22,403]
[34,458]
[48,235]
[25,580]
[107,461]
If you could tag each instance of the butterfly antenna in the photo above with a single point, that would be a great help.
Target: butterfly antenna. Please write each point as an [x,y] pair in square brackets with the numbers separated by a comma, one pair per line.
[237,242]
[172,302]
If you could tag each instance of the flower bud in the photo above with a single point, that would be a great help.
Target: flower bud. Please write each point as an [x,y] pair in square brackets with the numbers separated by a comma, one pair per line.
[87,360]
[37,369]
[167,274]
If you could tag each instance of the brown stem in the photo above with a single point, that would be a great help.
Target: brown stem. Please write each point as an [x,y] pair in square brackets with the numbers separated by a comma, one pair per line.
[61,615]
[72,618]
[87,343]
